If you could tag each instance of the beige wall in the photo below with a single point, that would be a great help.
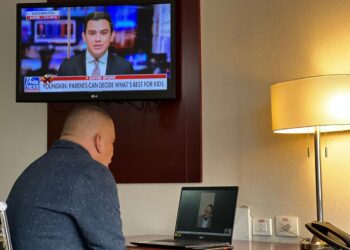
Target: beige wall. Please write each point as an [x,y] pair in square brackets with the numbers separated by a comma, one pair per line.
[22,125]
[246,46]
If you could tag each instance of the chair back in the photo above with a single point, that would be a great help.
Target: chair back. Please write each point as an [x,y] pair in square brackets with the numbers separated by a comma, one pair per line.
[4,228]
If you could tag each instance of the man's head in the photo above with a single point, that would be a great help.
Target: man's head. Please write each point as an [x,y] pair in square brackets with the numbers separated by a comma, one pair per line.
[208,211]
[98,33]
[93,128]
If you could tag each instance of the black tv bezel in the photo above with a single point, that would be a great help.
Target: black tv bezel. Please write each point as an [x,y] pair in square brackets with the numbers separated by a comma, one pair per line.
[169,94]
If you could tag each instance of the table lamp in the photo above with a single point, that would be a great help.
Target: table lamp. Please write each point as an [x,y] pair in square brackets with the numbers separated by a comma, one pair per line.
[312,105]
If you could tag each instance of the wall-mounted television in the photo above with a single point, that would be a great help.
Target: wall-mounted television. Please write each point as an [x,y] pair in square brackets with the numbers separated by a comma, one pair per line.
[104,51]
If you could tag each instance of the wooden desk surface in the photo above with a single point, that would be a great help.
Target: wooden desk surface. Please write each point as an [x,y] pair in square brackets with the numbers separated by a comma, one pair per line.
[238,245]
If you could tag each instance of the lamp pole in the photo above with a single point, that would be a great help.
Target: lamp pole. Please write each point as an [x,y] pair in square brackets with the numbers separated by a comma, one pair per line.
[316,243]
[319,202]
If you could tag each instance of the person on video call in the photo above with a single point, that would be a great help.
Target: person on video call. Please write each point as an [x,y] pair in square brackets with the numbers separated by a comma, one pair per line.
[204,220]
[97,59]
[68,199]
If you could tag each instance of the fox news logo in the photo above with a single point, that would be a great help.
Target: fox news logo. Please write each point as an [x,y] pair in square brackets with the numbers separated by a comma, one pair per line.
[32,84]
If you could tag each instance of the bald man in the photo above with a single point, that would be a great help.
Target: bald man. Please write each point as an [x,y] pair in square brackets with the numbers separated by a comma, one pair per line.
[67,199]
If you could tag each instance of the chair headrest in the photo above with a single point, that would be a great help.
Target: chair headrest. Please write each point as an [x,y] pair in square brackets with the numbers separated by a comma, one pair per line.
[3,206]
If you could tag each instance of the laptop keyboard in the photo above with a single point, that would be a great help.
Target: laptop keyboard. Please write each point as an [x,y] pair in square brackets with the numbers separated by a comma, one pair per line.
[192,242]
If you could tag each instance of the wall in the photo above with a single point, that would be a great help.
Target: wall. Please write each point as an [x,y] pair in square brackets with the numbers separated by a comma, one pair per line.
[246,46]
[22,125]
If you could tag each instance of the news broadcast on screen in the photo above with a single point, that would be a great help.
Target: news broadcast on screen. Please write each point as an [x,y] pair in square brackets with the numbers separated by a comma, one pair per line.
[95,49]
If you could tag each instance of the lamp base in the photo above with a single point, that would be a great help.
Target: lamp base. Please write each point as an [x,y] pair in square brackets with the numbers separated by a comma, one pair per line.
[314,244]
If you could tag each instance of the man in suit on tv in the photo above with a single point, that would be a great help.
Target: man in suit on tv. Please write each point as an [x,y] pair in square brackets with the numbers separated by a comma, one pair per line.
[97,59]
[204,220]
[67,198]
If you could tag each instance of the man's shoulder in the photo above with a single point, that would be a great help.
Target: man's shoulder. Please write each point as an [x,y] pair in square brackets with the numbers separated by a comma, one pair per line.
[73,66]
[94,170]
[118,65]
[75,156]
[119,59]
[76,58]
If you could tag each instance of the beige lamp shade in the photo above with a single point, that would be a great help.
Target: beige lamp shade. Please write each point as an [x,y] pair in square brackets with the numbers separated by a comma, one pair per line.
[299,106]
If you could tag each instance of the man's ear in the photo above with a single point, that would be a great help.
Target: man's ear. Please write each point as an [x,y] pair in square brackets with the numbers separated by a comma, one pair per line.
[112,36]
[84,36]
[98,143]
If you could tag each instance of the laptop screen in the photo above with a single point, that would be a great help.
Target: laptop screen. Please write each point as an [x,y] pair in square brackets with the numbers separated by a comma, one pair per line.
[206,212]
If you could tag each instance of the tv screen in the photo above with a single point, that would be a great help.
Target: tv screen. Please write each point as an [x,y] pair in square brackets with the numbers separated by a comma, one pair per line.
[112,51]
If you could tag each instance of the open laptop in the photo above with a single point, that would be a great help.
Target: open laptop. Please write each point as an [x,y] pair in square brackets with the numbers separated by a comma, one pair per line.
[205,219]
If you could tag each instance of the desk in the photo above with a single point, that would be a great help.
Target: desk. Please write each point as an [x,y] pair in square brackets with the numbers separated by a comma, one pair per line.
[238,245]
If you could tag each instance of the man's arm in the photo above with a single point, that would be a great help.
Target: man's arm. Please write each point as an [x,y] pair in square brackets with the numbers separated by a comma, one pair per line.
[95,208]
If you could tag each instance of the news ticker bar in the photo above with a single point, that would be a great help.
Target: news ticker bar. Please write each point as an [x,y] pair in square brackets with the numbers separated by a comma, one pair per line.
[50,84]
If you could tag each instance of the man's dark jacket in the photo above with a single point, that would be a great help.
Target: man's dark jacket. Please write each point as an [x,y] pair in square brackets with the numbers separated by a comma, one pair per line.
[76,65]
[65,200]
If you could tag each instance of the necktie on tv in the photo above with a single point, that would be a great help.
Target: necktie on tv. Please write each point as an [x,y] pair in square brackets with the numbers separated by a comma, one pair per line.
[96,71]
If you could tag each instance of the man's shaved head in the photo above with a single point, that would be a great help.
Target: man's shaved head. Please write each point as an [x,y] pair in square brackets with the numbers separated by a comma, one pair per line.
[84,119]
[93,128]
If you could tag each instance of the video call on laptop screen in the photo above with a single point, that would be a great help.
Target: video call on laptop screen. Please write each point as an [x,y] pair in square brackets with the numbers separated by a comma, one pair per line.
[207,211]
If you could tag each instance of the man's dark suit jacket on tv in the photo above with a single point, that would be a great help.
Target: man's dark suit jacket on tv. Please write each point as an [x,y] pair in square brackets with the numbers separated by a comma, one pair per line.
[65,200]
[76,65]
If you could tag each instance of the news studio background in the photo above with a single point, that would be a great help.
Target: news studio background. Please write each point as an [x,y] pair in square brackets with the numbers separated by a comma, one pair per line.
[143,37]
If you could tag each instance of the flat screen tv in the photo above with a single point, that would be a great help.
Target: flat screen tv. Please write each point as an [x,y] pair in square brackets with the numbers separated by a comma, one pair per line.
[107,51]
